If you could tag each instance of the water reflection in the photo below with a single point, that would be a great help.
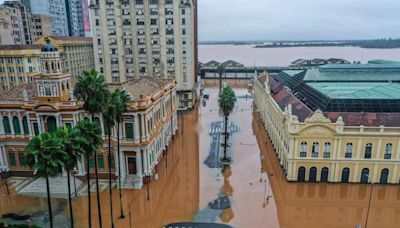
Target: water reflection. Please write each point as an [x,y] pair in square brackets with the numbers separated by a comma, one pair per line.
[326,204]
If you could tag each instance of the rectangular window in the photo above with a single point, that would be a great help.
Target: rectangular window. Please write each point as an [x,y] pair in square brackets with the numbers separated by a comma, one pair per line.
[100,159]
[129,130]
[36,128]
[22,159]
[11,158]
[112,163]
[91,163]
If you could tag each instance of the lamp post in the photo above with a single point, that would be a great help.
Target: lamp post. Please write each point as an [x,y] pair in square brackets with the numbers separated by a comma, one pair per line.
[147,184]
[4,175]
[370,198]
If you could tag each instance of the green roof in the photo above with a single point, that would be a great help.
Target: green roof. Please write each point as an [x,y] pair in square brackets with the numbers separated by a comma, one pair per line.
[291,73]
[357,90]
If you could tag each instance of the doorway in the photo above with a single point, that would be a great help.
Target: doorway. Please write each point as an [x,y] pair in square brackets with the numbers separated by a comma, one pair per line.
[132,165]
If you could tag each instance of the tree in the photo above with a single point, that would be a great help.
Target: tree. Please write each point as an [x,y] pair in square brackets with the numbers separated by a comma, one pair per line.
[91,88]
[227,100]
[73,144]
[221,71]
[91,132]
[46,155]
[109,122]
[121,107]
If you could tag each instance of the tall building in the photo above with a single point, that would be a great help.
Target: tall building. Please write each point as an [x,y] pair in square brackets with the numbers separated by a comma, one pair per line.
[6,29]
[56,9]
[334,123]
[75,17]
[22,20]
[153,38]
[41,26]
[47,103]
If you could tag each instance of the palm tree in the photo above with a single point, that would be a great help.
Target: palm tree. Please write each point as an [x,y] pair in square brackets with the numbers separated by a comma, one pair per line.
[221,71]
[91,132]
[46,155]
[91,88]
[73,145]
[109,122]
[227,100]
[121,107]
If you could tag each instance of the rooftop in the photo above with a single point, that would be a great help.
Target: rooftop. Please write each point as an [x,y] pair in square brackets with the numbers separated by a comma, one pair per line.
[357,90]
[19,47]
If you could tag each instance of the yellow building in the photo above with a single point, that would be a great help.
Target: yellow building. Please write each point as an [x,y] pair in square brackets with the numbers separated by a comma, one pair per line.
[76,52]
[315,121]
[47,103]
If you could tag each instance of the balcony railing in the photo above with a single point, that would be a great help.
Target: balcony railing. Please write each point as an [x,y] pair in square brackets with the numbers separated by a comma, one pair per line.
[303,154]
[347,155]
[327,155]
[388,156]
[314,154]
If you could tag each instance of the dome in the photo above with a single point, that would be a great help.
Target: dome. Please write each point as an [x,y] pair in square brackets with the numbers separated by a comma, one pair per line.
[48,47]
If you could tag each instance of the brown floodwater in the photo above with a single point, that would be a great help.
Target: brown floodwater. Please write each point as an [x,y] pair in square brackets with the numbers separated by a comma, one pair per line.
[255,184]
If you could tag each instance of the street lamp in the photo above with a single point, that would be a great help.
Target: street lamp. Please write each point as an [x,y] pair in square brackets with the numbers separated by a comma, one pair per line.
[4,175]
[370,198]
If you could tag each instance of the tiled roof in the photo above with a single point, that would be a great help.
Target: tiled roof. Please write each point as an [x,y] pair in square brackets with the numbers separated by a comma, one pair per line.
[19,47]
[144,86]
[366,119]
[16,93]
[77,38]
[283,98]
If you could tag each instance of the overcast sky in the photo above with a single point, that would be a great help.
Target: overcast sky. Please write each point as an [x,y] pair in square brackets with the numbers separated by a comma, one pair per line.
[298,19]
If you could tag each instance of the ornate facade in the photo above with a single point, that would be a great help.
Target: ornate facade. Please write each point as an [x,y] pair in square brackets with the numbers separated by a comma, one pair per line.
[47,103]
[314,145]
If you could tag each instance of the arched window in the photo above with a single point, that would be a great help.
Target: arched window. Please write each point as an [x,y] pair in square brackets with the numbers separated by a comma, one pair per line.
[388,151]
[364,175]
[17,127]
[6,124]
[384,176]
[345,175]
[301,175]
[303,149]
[51,124]
[25,125]
[327,150]
[349,150]
[324,174]
[313,174]
[368,151]
[315,150]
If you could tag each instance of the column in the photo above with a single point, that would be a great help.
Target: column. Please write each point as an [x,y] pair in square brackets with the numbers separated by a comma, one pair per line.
[358,149]
[394,175]
[11,123]
[378,150]
[355,173]
[1,124]
[2,157]
[335,172]
[28,119]
[375,175]
[58,122]
[136,127]
[139,164]
[145,168]
[21,126]
[143,127]
[39,123]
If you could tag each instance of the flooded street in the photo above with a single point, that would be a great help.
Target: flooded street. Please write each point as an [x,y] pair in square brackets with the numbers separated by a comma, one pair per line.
[255,184]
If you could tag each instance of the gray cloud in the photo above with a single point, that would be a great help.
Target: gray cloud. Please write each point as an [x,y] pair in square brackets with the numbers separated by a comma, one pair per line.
[298,19]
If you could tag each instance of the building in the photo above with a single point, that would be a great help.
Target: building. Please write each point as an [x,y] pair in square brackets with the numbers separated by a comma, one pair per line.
[76,52]
[56,9]
[41,26]
[47,103]
[153,38]
[76,9]
[24,19]
[334,123]
[317,62]
[14,25]
[6,29]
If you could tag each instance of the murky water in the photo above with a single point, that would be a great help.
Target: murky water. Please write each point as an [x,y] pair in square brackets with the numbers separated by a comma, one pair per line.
[255,185]
[249,56]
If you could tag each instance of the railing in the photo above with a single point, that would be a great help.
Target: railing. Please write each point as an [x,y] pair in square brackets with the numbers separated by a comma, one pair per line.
[303,154]
[314,154]
[327,155]
[347,155]
[387,156]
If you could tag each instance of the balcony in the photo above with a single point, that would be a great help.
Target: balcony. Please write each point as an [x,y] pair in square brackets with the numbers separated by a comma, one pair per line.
[314,154]
[303,154]
[327,155]
[387,156]
[347,155]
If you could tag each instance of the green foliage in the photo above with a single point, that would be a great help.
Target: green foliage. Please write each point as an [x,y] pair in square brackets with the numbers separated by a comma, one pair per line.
[109,114]
[121,103]
[91,133]
[91,88]
[73,144]
[46,154]
[227,100]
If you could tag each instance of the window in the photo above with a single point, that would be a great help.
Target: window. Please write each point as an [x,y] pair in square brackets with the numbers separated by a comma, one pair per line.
[301,175]
[36,128]
[91,163]
[303,150]
[368,151]
[129,130]
[345,175]
[313,174]
[327,150]
[22,159]
[139,2]
[168,1]
[183,21]
[17,127]
[6,124]
[183,31]
[153,21]
[349,150]
[112,163]
[153,2]
[364,175]
[100,159]
[315,150]
[324,174]
[25,125]
[388,151]
[11,158]
[51,124]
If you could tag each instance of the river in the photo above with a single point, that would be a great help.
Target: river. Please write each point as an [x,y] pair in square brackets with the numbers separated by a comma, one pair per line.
[249,56]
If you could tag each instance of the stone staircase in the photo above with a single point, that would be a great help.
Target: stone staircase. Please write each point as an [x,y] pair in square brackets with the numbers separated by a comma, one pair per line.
[58,187]
[131,182]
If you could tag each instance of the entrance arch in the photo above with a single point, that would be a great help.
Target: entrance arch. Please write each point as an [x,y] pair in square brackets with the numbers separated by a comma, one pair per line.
[384,176]
[313,174]
[364,175]
[301,175]
[324,174]
[345,175]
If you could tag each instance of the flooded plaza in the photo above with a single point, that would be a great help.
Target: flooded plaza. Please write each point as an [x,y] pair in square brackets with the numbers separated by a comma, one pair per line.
[254,184]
